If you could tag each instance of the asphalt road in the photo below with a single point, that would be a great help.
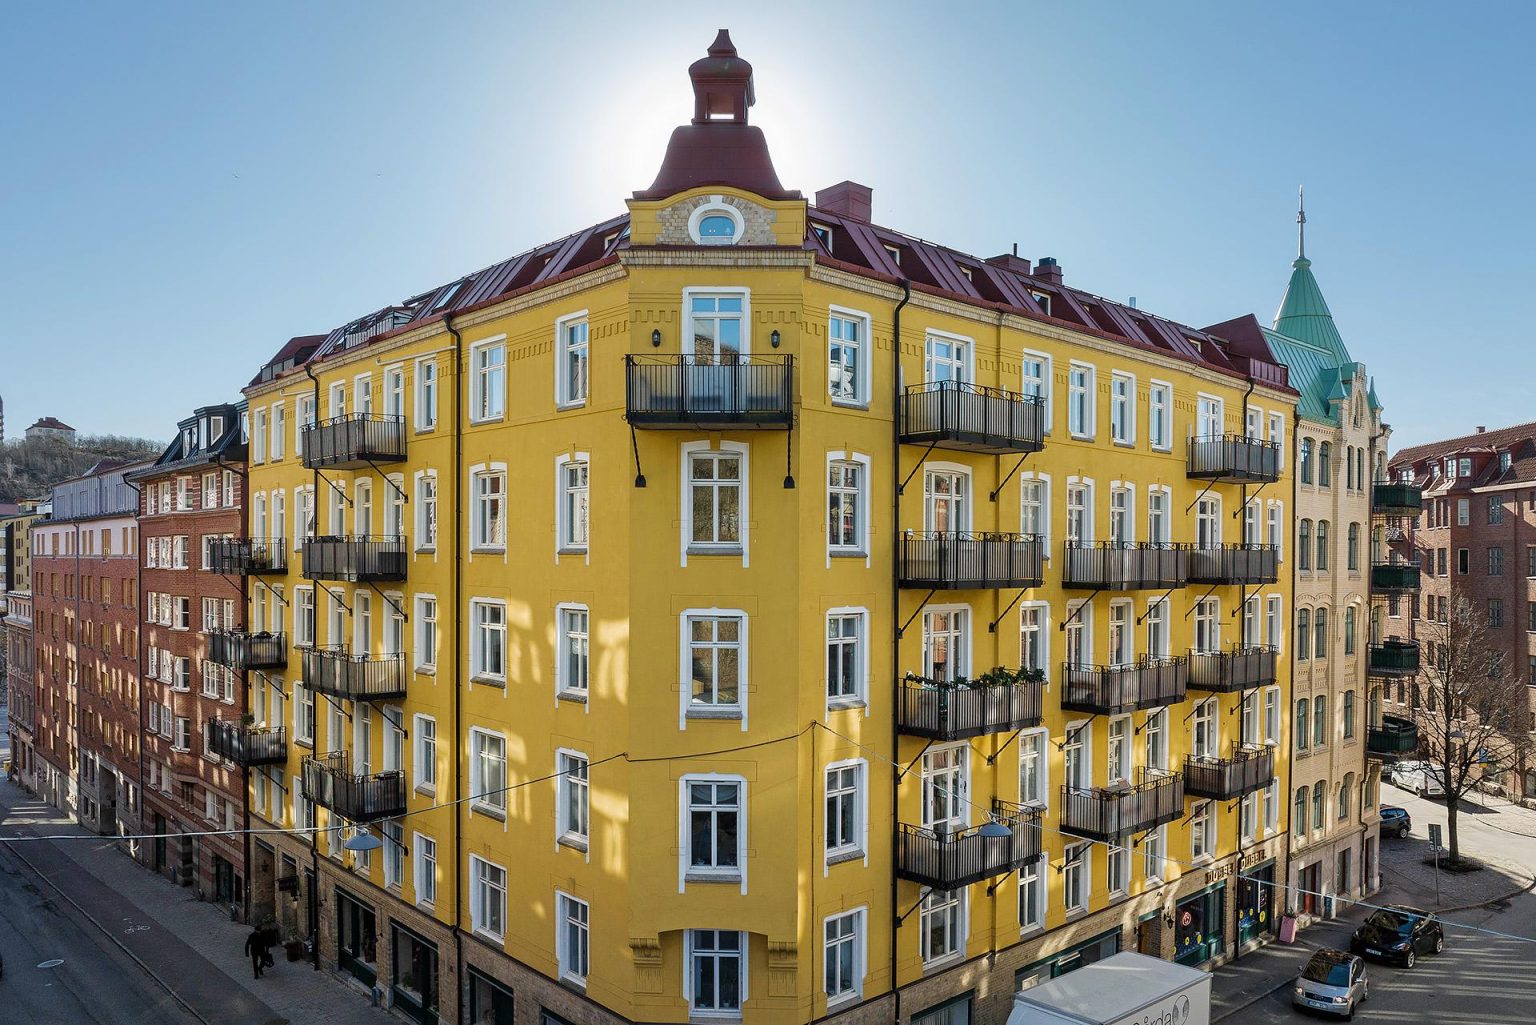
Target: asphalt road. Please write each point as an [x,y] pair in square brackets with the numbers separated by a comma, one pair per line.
[96,984]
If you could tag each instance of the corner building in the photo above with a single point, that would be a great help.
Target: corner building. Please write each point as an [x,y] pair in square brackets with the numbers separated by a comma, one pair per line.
[741,610]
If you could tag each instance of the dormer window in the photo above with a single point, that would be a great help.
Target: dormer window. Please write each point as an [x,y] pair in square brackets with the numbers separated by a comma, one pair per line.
[1504,460]
[215,428]
[823,235]
[716,224]
[1043,301]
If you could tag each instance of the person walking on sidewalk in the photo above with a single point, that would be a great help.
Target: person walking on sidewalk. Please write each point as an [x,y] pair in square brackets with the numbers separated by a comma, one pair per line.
[253,949]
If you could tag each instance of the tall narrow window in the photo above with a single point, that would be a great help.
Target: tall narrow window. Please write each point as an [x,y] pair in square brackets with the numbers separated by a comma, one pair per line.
[947,358]
[713,827]
[844,956]
[571,945]
[717,972]
[845,812]
[715,493]
[941,916]
[572,518]
[488,385]
[426,394]
[847,358]
[1121,529]
[716,327]
[1158,530]
[845,512]
[571,367]
[1035,509]
[1079,513]
[488,651]
[945,644]
[488,492]
[845,659]
[715,660]
[1160,415]
[1080,401]
[426,512]
[1036,381]
[571,666]
[946,500]
[487,770]
[572,799]
[1122,408]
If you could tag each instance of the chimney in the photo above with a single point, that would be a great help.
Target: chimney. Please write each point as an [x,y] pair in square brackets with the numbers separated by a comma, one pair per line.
[1048,270]
[1011,262]
[847,199]
[1482,428]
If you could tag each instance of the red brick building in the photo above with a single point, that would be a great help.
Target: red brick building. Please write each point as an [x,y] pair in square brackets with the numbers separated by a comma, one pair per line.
[86,640]
[1476,535]
[194,655]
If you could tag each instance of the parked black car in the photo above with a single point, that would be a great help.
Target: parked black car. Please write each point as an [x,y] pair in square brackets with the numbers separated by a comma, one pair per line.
[1395,821]
[1399,933]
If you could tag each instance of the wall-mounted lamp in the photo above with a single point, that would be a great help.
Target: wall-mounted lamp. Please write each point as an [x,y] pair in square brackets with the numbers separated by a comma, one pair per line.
[656,338]
[773,339]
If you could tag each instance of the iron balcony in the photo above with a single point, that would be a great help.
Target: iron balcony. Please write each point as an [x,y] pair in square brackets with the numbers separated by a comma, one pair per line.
[1114,690]
[962,561]
[328,781]
[352,441]
[1119,566]
[1233,459]
[336,671]
[956,415]
[1234,564]
[355,559]
[248,745]
[686,393]
[1241,773]
[1115,812]
[247,556]
[1394,658]
[1397,499]
[240,650]
[1394,735]
[943,710]
[949,860]
[1395,576]
[1232,671]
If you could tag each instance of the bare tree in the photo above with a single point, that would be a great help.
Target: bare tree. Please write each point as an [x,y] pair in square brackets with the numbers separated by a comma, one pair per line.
[1472,710]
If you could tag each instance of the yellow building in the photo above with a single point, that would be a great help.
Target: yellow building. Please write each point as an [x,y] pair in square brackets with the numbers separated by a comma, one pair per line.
[736,608]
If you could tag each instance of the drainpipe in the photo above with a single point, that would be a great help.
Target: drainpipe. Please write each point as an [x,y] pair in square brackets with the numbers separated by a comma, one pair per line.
[245,772]
[314,834]
[138,632]
[458,600]
[1290,761]
[906,297]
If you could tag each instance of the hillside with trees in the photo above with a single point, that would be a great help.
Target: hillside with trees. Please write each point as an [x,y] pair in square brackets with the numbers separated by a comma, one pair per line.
[28,469]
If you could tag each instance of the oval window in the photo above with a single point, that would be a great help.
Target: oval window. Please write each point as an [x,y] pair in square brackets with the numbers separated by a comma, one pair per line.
[717,226]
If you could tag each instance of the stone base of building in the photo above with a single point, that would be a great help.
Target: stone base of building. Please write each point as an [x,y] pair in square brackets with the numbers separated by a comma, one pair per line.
[213,866]
[1325,875]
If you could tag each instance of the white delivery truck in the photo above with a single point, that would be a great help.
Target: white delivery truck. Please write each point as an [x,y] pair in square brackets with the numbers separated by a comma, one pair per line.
[1123,989]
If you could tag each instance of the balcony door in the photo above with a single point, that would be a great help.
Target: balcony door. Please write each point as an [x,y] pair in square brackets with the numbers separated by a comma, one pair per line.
[946,788]
[947,359]
[713,353]
[946,500]
[1075,767]
[944,644]
[1207,625]
[1208,522]
[1208,417]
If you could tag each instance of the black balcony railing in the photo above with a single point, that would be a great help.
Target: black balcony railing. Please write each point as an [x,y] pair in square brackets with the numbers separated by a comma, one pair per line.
[248,745]
[239,650]
[1394,735]
[1233,670]
[1116,566]
[1242,772]
[948,860]
[338,672]
[1395,576]
[1234,564]
[329,782]
[958,560]
[687,392]
[1397,499]
[247,556]
[995,702]
[354,558]
[1114,812]
[1113,690]
[354,440]
[1233,459]
[956,415]
[1394,658]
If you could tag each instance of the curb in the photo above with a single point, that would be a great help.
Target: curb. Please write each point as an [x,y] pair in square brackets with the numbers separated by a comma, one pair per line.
[1492,900]
[194,1012]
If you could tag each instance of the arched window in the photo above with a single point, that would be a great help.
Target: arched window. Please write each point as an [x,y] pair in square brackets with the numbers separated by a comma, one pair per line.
[1306,460]
[1352,550]
[1378,544]
[1322,546]
[1376,624]
[1303,634]
[1349,467]
[1304,545]
[1360,468]
[1319,804]
[1320,633]
[1345,789]
[1325,465]
[1319,721]
[1299,817]
[1303,737]
[716,224]
[1349,715]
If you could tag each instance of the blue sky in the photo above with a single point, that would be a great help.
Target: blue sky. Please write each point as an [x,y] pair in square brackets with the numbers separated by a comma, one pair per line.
[184,186]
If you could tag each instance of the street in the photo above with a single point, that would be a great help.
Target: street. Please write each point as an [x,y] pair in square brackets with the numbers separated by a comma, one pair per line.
[1480,979]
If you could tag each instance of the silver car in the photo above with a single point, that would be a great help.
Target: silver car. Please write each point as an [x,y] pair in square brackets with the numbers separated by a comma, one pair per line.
[1332,982]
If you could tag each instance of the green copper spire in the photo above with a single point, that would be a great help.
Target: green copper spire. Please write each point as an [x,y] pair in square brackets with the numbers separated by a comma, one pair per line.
[1303,312]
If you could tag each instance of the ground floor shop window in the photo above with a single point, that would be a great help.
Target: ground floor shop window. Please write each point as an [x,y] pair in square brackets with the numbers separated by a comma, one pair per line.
[356,938]
[1096,949]
[490,1003]
[1197,923]
[1256,903]
[414,975]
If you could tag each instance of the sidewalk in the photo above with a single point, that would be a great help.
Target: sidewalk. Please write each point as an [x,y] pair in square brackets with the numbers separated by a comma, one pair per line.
[190,947]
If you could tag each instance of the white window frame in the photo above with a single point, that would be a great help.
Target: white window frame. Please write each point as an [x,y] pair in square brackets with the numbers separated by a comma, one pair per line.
[1029,740]
[481,890]
[712,710]
[858,848]
[1122,407]
[719,292]
[480,632]
[859,940]
[424,870]
[493,804]
[484,406]
[568,787]
[1076,878]
[861,496]
[863,346]
[426,631]
[563,345]
[1086,430]
[716,207]
[566,541]
[951,902]
[1044,383]
[740,956]
[687,873]
[962,358]
[744,546]
[565,687]
[572,965]
[487,532]
[1028,478]
[424,753]
[860,696]
[1160,415]
[1041,631]
[426,394]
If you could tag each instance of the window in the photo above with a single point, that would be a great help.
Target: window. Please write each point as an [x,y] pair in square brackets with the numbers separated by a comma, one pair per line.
[1035,509]
[1272,715]
[1204,730]
[713,837]
[1275,527]
[843,956]
[717,974]
[1277,434]
[1463,512]
[1319,804]
[1034,767]
[1274,626]
[947,358]
[1157,628]
[303,714]
[1202,832]
[572,799]
[571,360]
[1495,562]
[1352,548]
[1121,528]
[848,357]
[1303,708]
[1118,750]
[426,633]
[488,647]
[394,853]
[1304,545]
[1117,864]
[1349,715]
[1074,877]
[845,658]
[1463,561]
[573,513]
[1033,636]
[713,655]
[424,758]
[1322,546]
[1080,400]
[258,447]
[1495,612]
[845,507]
[1160,415]
[487,771]
[572,665]
[1122,408]
[1466,467]
[1319,721]
[1299,815]
[1121,634]
[1079,513]
[945,644]
[426,394]
[488,897]
[715,499]
[488,387]
[1036,381]
[1349,630]
[945,784]
[488,492]
[845,812]
[1320,634]
[1324,465]
[1153,846]
[426,511]
[1158,524]
[943,923]
[1305,460]
[426,870]
[1032,894]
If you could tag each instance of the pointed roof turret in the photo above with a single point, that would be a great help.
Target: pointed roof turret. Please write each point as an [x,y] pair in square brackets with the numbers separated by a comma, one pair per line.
[1303,313]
